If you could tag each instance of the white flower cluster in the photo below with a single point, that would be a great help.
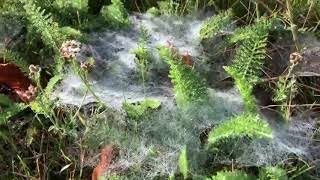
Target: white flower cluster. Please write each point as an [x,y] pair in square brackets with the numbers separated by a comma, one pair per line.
[70,49]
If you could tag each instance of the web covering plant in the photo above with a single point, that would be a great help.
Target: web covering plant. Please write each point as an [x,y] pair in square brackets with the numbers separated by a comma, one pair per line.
[216,24]
[247,124]
[188,86]
[246,69]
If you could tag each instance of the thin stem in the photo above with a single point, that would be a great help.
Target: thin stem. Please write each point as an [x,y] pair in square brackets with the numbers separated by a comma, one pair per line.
[293,25]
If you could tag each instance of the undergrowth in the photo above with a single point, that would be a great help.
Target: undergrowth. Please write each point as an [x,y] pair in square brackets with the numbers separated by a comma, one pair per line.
[43,139]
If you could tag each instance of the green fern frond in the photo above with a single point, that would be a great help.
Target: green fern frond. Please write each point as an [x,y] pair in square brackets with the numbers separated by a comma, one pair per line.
[43,104]
[11,57]
[188,85]
[249,59]
[245,89]
[273,173]
[232,175]
[251,52]
[52,83]
[247,124]
[258,31]
[216,24]
[43,24]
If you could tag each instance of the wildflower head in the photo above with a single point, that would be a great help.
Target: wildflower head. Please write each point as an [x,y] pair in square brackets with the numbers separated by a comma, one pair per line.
[70,49]
[34,69]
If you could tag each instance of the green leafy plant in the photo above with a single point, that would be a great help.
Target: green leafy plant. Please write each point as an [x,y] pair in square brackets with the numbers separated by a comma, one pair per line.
[140,110]
[188,85]
[231,175]
[153,11]
[245,90]
[116,14]
[183,163]
[249,59]
[273,173]
[143,55]
[43,24]
[9,109]
[43,104]
[216,24]
[246,124]
[251,51]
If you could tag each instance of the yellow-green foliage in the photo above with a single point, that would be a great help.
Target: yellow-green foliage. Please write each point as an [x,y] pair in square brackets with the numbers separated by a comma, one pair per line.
[188,85]
[153,11]
[41,23]
[116,14]
[183,163]
[245,89]
[231,175]
[70,32]
[142,52]
[216,24]
[246,124]
[139,111]
[273,173]
[43,104]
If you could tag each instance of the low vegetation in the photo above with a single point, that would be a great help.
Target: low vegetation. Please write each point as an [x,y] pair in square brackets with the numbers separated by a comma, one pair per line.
[43,138]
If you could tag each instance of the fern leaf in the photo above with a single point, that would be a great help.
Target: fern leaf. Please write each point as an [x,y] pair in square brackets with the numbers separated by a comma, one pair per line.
[138,112]
[247,124]
[43,25]
[188,86]
[216,24]
[51,84]
[251,52]
[245,89]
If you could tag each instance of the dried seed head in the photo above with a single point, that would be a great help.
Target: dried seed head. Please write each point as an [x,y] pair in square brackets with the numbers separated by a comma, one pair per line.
[70,49]
[295,58]
[34,69]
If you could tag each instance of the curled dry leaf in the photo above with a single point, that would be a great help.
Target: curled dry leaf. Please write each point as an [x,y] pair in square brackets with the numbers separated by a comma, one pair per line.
[187,59]
[105,159]
[19,87]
